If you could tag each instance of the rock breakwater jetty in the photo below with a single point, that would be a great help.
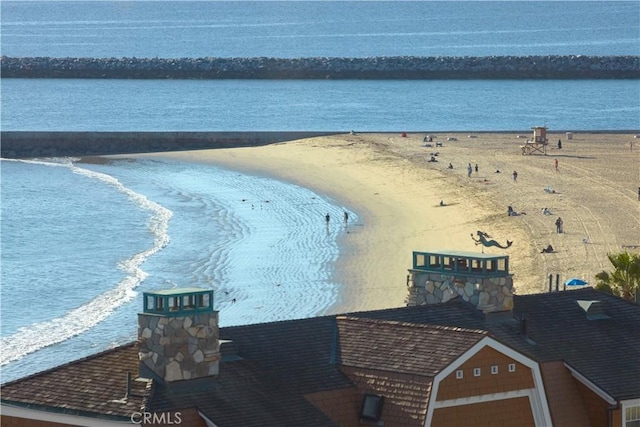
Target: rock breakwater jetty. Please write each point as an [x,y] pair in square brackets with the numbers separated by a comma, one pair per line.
[28,144]
[401,67]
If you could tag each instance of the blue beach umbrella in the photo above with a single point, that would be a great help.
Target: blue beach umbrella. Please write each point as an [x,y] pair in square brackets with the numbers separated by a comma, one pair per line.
[575,282]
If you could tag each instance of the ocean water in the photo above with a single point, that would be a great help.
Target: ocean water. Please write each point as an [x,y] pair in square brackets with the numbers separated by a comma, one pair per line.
[80,242]
[75,262]
[175,29]
[318,105]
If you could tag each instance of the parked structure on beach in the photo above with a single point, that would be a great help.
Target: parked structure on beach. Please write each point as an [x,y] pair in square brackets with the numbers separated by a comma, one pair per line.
[538,142]
[469,359]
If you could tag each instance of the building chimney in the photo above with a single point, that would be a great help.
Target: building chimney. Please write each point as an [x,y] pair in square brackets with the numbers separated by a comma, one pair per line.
[178,335]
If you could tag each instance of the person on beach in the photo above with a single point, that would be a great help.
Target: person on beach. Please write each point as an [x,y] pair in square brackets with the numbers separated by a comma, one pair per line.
[346,217]
[469,170]
[515,176]
[476,168]
[559,225]
[450,166]
[559,144]
[556,162]
[547,250]
[327,218]
[512,212]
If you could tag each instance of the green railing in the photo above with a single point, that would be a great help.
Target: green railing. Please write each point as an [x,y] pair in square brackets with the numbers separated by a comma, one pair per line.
[178,302]
[461,263]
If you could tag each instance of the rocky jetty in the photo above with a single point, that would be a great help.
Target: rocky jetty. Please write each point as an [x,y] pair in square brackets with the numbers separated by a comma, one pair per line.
[401,67]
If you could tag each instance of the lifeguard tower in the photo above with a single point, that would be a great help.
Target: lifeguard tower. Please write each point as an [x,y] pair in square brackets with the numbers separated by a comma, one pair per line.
[481,279]
[178,335]
[538,144]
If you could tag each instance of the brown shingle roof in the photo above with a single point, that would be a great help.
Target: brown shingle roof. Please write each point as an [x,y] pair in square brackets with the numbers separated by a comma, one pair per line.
[93,386]
[401,347]
[557,329]
[395,351]
[406,395]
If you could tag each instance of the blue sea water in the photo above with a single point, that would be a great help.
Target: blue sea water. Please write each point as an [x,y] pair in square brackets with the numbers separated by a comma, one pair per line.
[176,29]
[81,241]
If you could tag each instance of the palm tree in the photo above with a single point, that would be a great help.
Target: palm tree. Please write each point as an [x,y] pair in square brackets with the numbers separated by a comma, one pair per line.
[624,281]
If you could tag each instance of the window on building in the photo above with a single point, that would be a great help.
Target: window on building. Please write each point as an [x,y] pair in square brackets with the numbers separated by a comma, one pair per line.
[459,374]
[494,369]
[434,261]
[371,407]
[632,416]
[187,301]
[512,367]
[476,372]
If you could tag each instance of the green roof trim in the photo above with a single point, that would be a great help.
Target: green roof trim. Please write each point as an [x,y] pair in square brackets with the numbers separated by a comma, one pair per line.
[177,291]
[466,254]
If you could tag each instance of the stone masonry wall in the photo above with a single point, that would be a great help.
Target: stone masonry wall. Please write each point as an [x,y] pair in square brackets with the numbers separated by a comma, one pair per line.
[179,348]
[486,293]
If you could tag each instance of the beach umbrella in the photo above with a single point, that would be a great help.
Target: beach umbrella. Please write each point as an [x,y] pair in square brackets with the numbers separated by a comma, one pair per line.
[575,282]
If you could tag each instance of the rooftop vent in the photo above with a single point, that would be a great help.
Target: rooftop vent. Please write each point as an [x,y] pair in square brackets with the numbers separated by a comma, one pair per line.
[594,309]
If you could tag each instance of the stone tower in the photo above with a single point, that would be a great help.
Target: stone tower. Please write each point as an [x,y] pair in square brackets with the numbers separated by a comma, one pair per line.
[178,335]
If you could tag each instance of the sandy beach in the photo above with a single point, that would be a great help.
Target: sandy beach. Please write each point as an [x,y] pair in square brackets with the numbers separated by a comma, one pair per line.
[388,180]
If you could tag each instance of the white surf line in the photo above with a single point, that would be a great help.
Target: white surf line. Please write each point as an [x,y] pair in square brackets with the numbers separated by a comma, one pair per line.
[43,334]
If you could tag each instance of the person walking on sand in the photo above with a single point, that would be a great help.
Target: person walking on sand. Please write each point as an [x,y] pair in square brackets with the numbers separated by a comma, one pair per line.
[469,170]
[476,168]
[556,162]
[515,176]
[559,225]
